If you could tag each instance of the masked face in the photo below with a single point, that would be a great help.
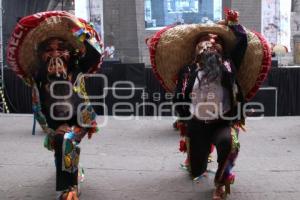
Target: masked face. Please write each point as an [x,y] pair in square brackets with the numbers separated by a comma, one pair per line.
[208,56]
[56,65]
[56,56]
[209,43]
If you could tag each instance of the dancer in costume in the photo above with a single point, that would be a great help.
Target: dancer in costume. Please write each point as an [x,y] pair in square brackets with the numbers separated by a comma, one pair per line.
[212,70]
[211,79]
[181,125]
[50,51]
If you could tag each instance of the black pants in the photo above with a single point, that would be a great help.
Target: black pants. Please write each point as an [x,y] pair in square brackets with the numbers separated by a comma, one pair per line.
[201,137]
[64,180]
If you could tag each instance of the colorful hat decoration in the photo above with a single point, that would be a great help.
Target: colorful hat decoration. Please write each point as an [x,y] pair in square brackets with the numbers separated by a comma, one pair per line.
[173,48]
[32,30]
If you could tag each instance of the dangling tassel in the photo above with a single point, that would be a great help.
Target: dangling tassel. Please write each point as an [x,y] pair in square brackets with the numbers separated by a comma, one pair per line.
[182,146]
[182,128]
[56,65]
[229,180]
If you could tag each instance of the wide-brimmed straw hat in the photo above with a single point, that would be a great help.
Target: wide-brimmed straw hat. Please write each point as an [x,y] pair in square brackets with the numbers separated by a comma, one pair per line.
[173,48]
[32,30]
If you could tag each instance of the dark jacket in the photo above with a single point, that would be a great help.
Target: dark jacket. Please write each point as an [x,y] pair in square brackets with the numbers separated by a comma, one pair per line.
[187,77]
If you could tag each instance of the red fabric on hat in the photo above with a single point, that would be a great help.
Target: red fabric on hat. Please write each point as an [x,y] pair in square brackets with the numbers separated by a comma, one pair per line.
[152,50]
[27,24]
[266,66]
[182,146]
[23,27]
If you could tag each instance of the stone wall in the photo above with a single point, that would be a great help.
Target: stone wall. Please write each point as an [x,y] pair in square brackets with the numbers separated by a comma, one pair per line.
[295,23]
[124,25]
[120,28]
[250,13]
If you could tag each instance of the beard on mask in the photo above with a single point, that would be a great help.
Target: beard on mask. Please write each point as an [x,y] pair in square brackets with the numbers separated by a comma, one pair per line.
[55,57]
[211,65]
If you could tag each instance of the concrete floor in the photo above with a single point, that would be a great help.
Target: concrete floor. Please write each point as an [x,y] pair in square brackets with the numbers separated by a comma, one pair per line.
[139,160]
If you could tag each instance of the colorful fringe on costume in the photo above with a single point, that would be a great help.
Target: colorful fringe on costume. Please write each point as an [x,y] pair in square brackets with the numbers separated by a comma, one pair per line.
[224,174]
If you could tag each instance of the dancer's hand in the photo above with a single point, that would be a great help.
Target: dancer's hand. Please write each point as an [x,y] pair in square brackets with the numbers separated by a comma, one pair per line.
[222,22]
[62,129]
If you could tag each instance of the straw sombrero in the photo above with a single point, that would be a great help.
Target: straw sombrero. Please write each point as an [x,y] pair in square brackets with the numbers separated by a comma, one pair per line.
[34,29]
[173,48]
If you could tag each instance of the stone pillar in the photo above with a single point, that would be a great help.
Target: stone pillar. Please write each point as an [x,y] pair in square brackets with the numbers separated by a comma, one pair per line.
[158,12]
[295,5]
[250,13]
[206,8]
[120,28]
[297,49]
[295,30]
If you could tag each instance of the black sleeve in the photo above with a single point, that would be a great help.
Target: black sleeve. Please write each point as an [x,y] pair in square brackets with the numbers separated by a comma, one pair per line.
[237,56]
[179,86]
[179,95]
[90,59]
[239,50]
[240,99]
[228,78]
